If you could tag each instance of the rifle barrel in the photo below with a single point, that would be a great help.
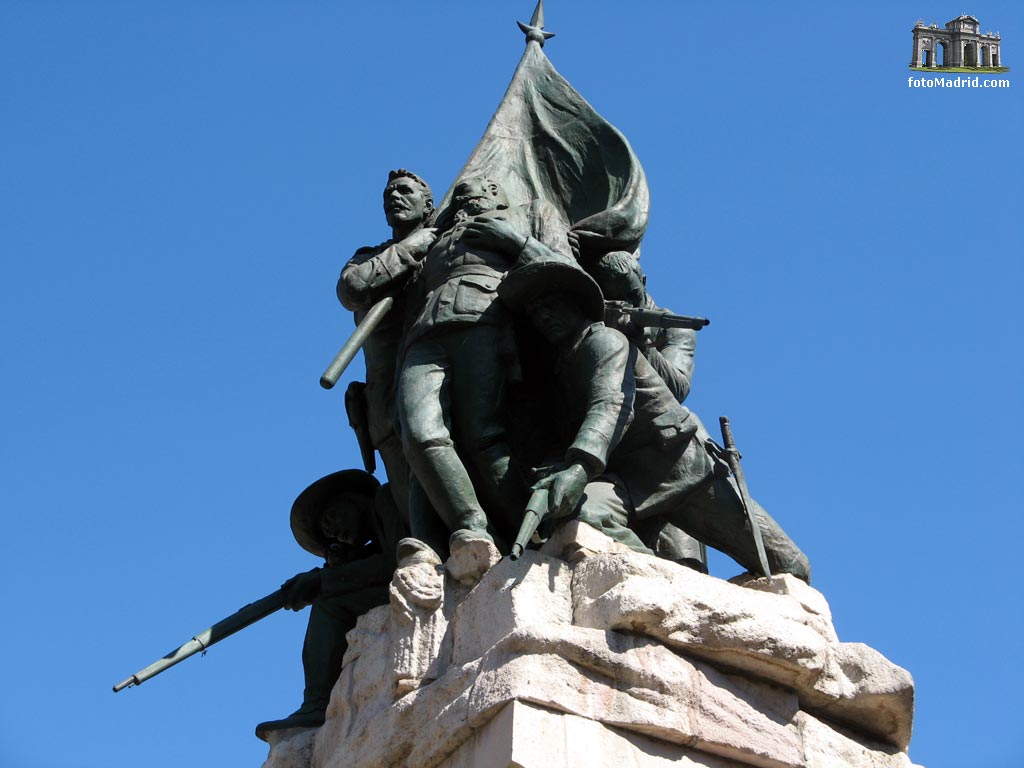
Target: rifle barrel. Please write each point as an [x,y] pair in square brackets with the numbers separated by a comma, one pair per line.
[236,622]
[652,318]
[536,508]
[355,342]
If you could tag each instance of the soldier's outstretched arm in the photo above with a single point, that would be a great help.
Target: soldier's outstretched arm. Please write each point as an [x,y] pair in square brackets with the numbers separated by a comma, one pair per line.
[301,589]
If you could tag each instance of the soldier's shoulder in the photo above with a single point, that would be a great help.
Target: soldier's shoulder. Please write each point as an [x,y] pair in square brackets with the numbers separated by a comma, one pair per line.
[600,336]
[601,331]
[369,251]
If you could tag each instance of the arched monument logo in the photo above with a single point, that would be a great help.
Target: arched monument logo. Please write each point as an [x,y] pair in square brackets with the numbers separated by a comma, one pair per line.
[960,44]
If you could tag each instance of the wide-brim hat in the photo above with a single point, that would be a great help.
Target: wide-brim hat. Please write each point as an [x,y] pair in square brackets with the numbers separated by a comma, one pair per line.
[308,508]
[551,274]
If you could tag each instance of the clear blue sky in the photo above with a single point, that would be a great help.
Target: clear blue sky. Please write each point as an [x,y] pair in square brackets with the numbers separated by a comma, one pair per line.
[181,182]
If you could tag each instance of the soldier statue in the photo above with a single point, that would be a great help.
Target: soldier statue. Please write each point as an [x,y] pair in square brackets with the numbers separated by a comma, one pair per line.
[631,451]
[351,521]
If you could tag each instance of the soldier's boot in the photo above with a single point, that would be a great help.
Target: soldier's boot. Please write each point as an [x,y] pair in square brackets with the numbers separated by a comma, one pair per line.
[322,652]
[473,553]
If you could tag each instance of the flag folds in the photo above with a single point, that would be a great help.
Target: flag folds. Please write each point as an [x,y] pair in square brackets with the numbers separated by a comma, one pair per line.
[546,142]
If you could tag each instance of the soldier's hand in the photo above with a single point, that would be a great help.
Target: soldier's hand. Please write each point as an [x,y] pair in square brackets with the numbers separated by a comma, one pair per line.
[565,489]
[301,590]
[623,323]
[418,241]
[495,233]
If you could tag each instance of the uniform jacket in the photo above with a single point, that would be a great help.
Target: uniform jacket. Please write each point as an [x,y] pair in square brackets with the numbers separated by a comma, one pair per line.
[460,279]
[365,575]
[624,420]
[370,275]
[670,353]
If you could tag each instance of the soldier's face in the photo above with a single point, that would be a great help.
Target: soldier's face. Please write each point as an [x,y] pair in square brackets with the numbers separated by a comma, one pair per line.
[475,196]
[626,287]
[344,521]
[556,317]
[404,201]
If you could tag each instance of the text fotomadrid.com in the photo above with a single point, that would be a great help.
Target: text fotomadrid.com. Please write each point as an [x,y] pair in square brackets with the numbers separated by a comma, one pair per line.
[956,82]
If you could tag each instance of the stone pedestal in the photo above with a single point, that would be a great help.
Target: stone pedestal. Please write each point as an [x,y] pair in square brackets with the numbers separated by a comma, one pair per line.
[588,654]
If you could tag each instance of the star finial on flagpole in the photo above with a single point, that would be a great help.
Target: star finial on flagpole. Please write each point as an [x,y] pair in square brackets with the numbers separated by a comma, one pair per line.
[535,29]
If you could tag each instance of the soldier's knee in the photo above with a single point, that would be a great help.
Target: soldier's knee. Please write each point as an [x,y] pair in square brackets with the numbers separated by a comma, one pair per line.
[420,432]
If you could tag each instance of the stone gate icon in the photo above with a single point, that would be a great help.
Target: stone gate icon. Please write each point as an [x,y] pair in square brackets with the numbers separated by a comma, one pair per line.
[961,45]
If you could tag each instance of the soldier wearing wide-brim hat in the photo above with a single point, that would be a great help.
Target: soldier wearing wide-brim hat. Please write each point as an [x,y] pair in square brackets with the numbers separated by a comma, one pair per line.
[634,453]
[531,278]
[350,520]
[310,507]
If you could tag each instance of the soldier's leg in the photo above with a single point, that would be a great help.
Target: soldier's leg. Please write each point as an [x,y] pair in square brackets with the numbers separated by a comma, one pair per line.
[478,400]
[424,411]
[424,523]
[672,543]
[397,469]
[606,506]
[714,514]
[322,653]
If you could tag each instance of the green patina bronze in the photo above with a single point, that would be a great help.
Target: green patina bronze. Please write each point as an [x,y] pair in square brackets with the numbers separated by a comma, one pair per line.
[519,374]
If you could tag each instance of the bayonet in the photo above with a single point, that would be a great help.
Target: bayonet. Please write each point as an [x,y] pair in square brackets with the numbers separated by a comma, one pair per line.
[733,457]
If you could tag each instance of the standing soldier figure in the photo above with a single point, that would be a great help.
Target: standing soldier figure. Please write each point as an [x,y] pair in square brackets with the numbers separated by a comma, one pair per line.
[372,274]
[459,355]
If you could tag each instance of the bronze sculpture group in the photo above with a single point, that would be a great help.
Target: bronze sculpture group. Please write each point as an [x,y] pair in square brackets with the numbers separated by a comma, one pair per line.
[482,303]
[514,358]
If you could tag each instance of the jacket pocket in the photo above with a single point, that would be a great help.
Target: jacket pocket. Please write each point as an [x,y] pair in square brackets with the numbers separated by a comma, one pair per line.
[474,295]
[674,427]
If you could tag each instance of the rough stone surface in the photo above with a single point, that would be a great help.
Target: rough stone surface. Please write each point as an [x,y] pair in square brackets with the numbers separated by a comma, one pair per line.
[574,541]
[418,627]
[763,632]
[588,654]
[471,557]
[533,592]
[291,748]
[528,736]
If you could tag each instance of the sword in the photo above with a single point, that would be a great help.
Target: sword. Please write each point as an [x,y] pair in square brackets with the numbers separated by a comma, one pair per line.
[733,457]
[355,341]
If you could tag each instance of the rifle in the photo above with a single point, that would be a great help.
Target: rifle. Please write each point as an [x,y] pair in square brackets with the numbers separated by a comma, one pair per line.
[650,318]
[355,341]
[536,509]
[237,621]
